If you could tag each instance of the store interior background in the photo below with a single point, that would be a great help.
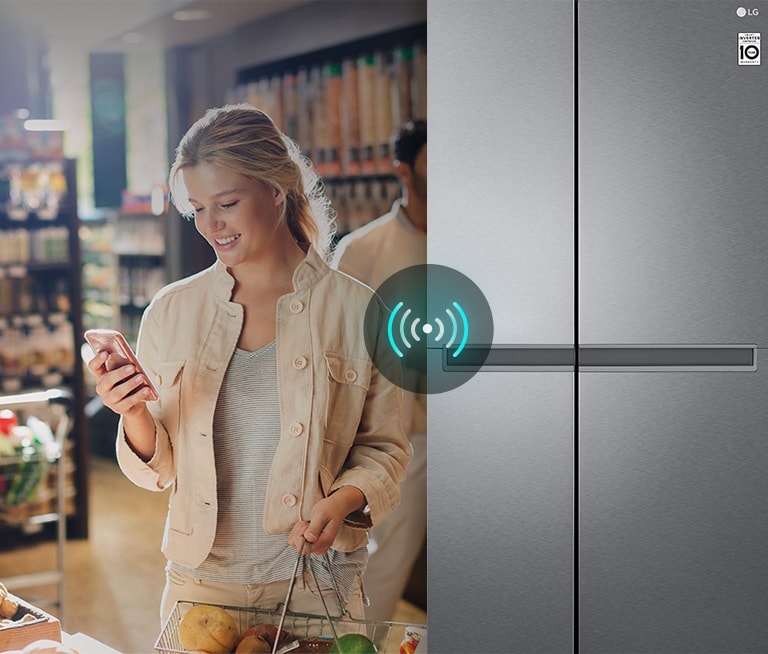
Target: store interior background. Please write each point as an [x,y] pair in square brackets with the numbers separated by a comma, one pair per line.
[127,79]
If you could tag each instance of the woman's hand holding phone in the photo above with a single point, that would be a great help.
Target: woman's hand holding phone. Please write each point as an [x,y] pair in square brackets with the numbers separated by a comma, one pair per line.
[121,382]
[124,387]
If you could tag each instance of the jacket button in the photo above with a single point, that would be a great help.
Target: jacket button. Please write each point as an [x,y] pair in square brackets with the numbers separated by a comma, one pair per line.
[350,375]
[289,500]
[296,429]
[297,306]
[300,363]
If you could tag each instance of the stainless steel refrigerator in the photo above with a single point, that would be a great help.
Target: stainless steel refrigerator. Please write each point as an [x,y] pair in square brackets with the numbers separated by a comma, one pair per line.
[599,168]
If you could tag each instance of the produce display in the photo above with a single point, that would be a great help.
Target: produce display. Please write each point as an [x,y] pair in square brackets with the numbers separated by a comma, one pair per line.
[26,451]
[212,630]
[13,616]
[8,605]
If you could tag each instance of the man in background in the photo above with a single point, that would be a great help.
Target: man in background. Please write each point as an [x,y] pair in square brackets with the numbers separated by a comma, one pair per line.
[372,254]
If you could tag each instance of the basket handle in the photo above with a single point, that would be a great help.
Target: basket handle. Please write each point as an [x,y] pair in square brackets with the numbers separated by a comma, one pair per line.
[292,583]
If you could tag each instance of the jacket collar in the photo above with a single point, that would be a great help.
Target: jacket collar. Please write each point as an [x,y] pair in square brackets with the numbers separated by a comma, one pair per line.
[308,273]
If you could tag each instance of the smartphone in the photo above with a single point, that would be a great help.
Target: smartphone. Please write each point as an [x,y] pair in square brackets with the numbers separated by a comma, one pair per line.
[112,341]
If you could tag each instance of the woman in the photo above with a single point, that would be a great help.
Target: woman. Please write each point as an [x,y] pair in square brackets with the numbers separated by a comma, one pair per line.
[273,425]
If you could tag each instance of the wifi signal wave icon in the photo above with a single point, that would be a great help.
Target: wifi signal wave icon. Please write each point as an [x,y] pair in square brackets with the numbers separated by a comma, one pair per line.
[405,329]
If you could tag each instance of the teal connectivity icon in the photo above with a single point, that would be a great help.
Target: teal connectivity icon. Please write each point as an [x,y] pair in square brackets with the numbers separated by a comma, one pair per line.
[437,328]
[427,329]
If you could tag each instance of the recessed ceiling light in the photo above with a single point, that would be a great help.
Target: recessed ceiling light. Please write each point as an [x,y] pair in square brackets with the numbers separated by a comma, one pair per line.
[45,125]
[191,14]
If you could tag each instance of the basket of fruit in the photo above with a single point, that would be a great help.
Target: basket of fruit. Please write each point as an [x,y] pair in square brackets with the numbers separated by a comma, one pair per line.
[194,627]
[216,629]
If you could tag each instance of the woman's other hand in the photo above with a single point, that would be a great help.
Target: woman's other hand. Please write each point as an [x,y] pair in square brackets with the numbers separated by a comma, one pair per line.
[325,519]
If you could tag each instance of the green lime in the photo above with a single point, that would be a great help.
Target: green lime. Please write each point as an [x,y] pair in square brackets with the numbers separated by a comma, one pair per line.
[354,644]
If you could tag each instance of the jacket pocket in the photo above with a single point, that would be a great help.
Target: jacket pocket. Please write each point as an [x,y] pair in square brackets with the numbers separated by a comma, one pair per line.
[169,374]
[326,478]
[348,381]
[169,378]
[179,510]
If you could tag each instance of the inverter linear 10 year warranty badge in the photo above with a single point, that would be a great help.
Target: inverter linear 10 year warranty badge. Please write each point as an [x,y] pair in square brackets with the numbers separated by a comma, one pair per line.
[749,48]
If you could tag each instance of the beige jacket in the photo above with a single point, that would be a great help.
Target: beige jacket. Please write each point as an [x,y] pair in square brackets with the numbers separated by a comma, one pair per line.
[339,415]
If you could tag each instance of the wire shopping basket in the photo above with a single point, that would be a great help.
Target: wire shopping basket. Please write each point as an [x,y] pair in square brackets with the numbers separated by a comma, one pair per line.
[306,632]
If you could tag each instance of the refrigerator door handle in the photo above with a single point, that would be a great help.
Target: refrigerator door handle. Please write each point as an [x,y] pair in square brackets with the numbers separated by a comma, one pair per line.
[672,358]
[607,358]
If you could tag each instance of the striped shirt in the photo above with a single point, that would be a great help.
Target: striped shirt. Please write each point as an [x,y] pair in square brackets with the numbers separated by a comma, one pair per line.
[246,427]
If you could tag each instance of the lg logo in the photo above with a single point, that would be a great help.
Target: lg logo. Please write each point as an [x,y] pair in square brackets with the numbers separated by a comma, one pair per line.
[741,12]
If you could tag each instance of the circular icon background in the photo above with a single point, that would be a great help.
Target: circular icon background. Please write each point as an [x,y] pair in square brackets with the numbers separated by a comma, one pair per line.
[435,331]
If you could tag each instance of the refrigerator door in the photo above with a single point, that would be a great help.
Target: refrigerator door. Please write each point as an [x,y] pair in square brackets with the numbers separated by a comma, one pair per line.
[500,546]
[673,554]
[672,229]
[673,173]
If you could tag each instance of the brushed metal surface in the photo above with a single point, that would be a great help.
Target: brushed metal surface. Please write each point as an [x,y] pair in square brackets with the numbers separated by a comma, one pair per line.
[501,168]
[673,215]
[501,540]
[501,158]
[672,527]
[673,230]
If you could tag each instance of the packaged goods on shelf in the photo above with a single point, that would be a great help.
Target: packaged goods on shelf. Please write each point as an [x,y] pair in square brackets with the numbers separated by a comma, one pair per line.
[14,247]
[350,118]
[358,200]
[419,86]
[139,234]
[402,65]
[40,298]
[386,103]
[342,104]
[35,350]
[290,95]
[32,188]
[332,109]
[145,203]
[366,76]
[50,244]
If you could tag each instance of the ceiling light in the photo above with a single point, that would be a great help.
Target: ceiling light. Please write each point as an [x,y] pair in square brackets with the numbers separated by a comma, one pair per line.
[45,126]
[191,14]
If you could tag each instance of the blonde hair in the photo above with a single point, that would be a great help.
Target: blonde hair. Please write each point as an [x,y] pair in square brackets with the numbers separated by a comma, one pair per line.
[246,140]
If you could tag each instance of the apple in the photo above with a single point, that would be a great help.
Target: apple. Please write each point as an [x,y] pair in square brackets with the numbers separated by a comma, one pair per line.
[252,644]
[354,644]
[209,629]
[264,632]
